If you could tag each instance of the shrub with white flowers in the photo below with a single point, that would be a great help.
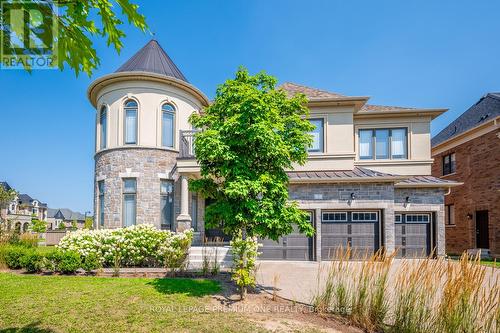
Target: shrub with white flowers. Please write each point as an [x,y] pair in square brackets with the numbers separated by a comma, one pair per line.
[139,245]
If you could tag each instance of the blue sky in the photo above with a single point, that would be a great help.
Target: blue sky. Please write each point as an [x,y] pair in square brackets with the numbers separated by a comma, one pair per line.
[406,53]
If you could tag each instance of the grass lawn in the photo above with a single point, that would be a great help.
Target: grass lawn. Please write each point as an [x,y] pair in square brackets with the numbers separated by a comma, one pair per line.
[33,303]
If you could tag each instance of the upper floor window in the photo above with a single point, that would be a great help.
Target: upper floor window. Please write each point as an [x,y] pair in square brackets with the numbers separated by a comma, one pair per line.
[130,109]
[103,126]
[318,136]
[167,125]
[383,143]
[449,165]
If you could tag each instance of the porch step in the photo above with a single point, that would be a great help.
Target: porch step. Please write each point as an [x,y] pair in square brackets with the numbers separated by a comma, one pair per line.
[485,253]
[222,254]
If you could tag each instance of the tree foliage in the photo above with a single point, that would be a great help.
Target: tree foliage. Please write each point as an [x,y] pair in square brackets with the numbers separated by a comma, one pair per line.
[78,24]
[251,134]
[38,226]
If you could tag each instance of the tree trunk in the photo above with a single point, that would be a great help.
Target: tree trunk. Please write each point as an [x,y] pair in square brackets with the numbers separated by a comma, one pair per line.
[243,290]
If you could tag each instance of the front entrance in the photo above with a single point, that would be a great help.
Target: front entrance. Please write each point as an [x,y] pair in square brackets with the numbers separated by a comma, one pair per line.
[482,233]
[295,246]
[357,230]
[413,235]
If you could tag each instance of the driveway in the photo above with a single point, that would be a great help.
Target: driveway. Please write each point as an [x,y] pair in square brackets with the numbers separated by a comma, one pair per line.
[299,280]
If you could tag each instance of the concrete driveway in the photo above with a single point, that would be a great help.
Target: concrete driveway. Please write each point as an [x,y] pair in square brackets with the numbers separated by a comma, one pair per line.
[299,280]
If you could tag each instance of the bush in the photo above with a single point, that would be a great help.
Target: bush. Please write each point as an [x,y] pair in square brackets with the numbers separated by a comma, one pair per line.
[53,257]
[13,255]
[245,252]
[28,240]
[90,263]
[69,262]
[139,245]
[33,261]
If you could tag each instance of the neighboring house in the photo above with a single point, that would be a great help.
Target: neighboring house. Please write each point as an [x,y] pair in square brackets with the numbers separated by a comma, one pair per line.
[367,182]
[24,208]
[468,151]
[65,217]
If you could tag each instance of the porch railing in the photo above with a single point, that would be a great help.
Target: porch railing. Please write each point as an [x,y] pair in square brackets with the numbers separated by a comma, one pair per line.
[187,143]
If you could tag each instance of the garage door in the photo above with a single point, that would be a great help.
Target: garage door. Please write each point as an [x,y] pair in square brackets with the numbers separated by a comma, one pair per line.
[358,230]
[295,246]
[413,235]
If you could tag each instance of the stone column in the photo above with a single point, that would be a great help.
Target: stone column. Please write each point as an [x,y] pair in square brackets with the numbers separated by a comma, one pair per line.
[389,230]
[317,220]
[184,219]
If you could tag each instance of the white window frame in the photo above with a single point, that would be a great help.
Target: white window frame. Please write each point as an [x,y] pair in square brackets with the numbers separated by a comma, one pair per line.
[418,214]
[373,144]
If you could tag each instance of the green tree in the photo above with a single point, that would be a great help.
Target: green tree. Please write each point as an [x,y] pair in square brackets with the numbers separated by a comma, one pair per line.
[251,134]
[79,24]
[62,226]
[89,223]
[38,226]
[74,225]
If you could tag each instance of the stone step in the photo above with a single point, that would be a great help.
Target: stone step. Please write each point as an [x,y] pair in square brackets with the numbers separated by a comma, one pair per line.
[485,253]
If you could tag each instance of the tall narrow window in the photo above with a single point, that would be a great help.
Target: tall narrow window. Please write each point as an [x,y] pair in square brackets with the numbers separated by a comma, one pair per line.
[103,124]
[130,134]
[194,211]
[318,135]
[449,165]
[382,143]
[167,204]
[167,125]
[100,188]
[129,201]
[449,212]
[365,144]
[398,143]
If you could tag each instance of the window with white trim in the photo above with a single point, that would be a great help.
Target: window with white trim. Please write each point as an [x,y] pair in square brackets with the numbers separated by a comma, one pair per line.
[449,164]
[100,188]
[449,214]
[103,127]
[129,201]
[130,126]
[167,125]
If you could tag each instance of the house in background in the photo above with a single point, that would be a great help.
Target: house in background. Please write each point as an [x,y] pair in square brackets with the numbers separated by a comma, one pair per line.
[23,209]
[367,182]
[468,151]
[65,217]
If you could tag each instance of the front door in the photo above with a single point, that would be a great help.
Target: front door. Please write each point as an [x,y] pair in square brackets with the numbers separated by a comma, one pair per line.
[482,236]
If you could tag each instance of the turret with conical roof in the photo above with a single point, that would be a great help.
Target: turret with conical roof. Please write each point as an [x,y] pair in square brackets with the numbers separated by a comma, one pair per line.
[141,110]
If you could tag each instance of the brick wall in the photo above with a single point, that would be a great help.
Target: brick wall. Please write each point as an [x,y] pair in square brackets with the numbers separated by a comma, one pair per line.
[478,167]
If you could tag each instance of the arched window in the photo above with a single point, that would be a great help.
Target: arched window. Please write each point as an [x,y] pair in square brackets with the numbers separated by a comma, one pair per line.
[167,125]
[130,135]
[103,126]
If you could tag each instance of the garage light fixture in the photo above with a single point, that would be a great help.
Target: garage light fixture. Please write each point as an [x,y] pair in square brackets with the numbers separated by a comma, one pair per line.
[407,201]
[351,198]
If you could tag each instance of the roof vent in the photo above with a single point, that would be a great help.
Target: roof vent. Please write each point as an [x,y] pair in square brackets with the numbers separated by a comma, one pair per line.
[483,117]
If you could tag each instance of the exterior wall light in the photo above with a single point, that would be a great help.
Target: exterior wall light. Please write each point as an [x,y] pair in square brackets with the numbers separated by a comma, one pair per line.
[407,202]
[469,216]
[351,198]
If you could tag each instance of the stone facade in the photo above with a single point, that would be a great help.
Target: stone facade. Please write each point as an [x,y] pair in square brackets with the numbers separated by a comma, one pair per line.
[478,167]
[372,196]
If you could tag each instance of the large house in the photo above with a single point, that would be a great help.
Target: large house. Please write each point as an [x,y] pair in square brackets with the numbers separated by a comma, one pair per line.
[468,151]
[23,209]
[367,182]
[62,218]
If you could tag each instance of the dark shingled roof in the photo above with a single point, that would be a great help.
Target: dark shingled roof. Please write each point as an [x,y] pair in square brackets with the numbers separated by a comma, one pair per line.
[293,89]
[487,108]
[341,175]
[5,186]
[152,59]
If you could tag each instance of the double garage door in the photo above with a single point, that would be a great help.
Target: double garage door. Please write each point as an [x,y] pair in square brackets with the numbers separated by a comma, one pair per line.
[357,230]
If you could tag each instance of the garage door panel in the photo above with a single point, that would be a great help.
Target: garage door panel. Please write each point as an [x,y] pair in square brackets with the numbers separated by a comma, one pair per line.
[334,228]
[412,239]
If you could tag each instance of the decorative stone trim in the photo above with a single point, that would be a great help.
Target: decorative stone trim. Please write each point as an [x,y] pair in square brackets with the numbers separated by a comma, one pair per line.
[129,174]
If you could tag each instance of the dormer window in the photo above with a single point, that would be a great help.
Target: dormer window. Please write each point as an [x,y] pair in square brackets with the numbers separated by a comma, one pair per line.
[167,125]
[383,143]
[103,127]
[130,109]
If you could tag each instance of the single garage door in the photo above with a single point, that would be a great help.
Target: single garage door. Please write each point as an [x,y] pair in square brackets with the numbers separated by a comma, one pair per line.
[295,246]
[358,230]
[413,235]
